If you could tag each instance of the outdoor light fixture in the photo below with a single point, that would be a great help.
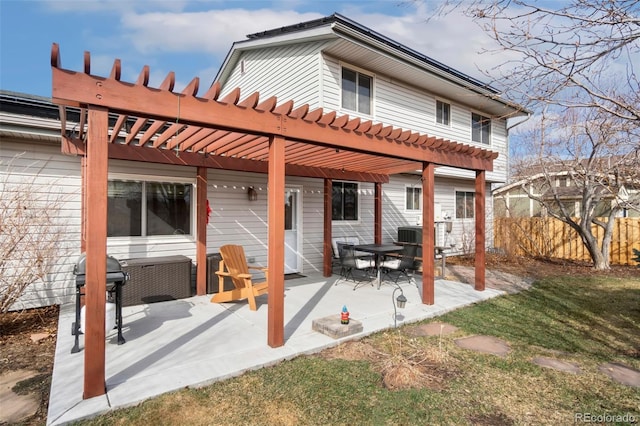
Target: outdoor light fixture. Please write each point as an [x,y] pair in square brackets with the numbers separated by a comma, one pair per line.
[399,301]
[252,194]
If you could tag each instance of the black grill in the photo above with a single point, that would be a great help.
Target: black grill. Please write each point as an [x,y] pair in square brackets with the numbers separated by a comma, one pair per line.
[116,279]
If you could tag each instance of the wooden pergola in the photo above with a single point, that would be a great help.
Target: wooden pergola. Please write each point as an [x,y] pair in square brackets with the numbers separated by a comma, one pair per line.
[132,121]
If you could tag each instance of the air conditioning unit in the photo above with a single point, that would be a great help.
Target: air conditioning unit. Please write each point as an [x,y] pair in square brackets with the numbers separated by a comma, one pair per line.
[411,234]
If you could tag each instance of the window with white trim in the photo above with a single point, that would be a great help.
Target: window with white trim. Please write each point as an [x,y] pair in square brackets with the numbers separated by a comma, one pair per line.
[443,113]
[147,208]
[480,128]
[344,201]
[356,91]
[465,205]
[413,196]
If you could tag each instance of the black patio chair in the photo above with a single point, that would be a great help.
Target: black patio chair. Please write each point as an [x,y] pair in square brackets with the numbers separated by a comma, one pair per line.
[400,266]
[354,268]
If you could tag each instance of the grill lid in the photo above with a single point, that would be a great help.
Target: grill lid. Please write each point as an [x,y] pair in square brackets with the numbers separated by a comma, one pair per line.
[113,265]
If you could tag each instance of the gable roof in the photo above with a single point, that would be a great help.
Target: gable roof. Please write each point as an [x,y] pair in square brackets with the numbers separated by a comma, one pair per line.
[375,52]
[540,173]
[336,18]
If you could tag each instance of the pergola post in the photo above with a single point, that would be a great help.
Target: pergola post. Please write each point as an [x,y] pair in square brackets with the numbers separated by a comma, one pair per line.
[326,249]
[83,205]
[377,216]
[275,326]
[95,182]
[201,231]
[428,224]
[480,201]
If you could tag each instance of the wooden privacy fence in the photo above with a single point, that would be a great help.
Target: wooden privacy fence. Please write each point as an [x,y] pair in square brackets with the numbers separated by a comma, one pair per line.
[549,237]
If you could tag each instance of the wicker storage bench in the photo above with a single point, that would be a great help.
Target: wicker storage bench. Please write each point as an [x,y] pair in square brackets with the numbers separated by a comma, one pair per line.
[156,279]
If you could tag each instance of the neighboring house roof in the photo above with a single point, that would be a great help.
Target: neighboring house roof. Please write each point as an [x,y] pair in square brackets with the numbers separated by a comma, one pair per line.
[567,192]
[626,166]
[380,54]
[574,192]
[32,117]
[25,116]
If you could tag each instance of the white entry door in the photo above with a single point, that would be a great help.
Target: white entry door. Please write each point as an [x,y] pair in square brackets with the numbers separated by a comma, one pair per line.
[292,231]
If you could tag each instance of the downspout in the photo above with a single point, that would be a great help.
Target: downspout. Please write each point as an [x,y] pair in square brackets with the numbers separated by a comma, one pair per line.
[508,128]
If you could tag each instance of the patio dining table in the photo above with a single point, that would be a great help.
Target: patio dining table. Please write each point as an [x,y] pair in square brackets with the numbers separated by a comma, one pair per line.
[379,250]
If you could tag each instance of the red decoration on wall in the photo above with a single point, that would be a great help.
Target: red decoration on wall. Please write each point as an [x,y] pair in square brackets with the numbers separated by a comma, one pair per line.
[208,211]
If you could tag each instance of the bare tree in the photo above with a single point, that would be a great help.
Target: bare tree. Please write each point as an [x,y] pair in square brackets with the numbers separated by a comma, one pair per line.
[30,232]
[577,53]
[584,165]
[576,61]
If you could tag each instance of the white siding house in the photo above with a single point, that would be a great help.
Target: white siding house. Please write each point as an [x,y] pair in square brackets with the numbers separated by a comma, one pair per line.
[304,63]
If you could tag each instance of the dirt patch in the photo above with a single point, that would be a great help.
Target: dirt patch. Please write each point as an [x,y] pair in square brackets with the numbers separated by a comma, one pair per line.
[540,268]
[20,352]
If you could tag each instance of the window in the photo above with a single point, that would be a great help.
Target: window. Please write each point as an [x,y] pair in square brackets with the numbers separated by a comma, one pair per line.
[465,205]
[480,128]
[413,196]
[139,209]
[356,91]
[344,201]
[443,112]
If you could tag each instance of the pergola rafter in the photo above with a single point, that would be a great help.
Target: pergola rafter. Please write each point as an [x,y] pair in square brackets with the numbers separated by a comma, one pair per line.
[186,123]
[135,122]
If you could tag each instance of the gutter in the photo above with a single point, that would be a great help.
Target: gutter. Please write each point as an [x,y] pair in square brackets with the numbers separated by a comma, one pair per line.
[527,118]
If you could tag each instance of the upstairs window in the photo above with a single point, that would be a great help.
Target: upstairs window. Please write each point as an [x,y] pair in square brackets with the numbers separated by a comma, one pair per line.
[344,201]
[465,205]
[480,129]
[443,113]
[413,196]
[356,91]
[140,209]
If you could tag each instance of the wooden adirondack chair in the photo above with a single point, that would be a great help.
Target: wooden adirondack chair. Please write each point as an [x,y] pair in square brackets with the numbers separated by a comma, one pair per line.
[234,265]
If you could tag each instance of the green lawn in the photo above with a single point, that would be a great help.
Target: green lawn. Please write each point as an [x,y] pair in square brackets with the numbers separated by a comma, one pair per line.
[393,378]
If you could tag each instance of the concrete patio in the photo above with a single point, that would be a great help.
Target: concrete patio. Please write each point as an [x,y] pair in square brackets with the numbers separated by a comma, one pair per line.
[192,342]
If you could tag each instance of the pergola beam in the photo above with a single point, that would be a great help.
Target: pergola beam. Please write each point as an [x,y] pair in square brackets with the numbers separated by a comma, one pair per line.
[77,89]
[72,146]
